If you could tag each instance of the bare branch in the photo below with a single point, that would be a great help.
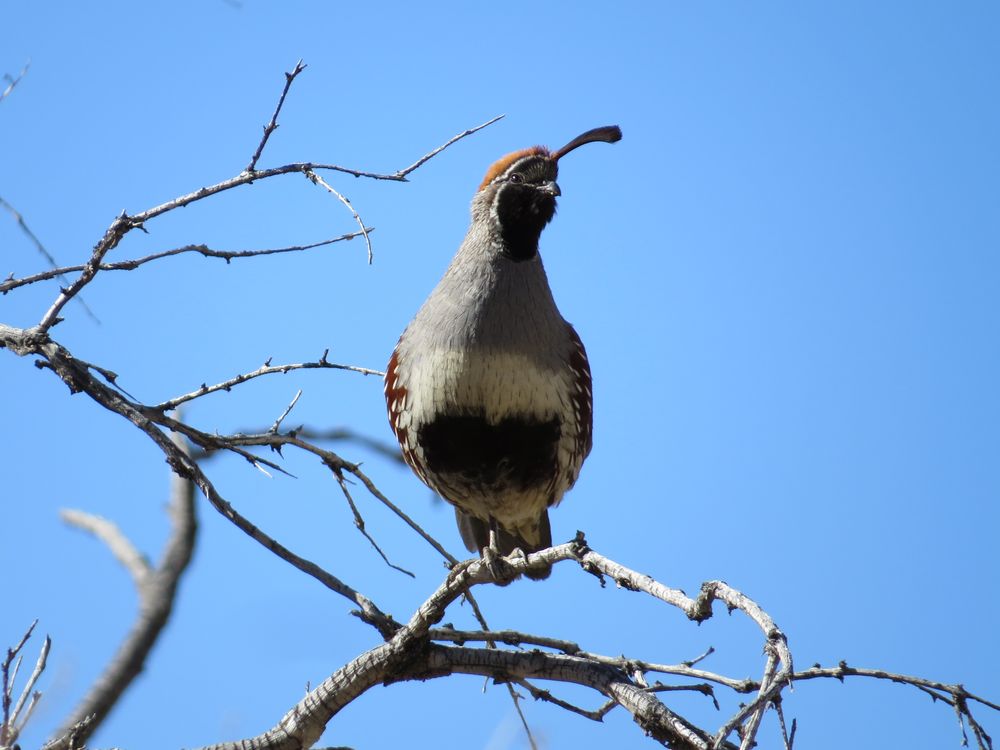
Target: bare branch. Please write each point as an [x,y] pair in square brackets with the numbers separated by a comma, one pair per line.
[119,227]
[157,588]
[625,663]
[266,369]
[273,124]
[546,696]
[407,656]
[56,271]
[31,236]
[288,410]
[507,637]
[29,689]
[11,721]
[755,710]
[400,659]
[842,670]
[787,738]
[345,434]
[125,223]
[520,713]
[329,458]
[428,156]
[409,652]
[79,379]
[315,179]
[120,546]
[12,81]
[130,265]
[359,524]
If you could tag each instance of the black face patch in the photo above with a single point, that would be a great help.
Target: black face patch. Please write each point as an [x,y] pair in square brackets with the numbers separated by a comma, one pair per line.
[517,453]
[523,211]
[523,206]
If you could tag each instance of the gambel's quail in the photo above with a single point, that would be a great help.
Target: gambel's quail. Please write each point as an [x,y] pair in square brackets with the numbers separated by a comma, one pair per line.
[489,389]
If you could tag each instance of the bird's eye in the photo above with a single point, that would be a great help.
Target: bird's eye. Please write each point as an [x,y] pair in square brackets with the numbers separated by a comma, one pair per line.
[516,177]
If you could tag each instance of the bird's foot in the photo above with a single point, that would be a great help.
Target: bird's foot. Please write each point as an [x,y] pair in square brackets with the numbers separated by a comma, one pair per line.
[499,568]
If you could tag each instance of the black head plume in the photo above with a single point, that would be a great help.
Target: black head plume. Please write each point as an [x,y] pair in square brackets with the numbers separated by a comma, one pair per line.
[606,134]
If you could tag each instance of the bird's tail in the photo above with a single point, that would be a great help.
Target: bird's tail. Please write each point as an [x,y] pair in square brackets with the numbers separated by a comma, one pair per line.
[476,535]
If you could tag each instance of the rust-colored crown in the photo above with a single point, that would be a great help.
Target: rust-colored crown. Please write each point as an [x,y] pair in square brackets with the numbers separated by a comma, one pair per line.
[501,165]
[605,134]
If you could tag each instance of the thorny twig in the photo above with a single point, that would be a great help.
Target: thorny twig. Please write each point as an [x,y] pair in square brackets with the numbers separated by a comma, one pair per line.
[265,369]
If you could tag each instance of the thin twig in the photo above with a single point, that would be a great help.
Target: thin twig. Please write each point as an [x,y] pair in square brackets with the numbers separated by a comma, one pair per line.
[540,694]
[277,423]
[691,662]
[762,700]
[315,179]
[10,726]
[359,524]
[125,223]
[31,236]
[273,124]
[129,265]
[29,687]
[524,720]
[329,458]
[787,738]
[430,155]
[56,271]
[345,434]
[12,81]
[117,543]
[7,679]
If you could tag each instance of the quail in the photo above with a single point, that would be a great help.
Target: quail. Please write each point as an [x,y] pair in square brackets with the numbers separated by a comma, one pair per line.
[489,389]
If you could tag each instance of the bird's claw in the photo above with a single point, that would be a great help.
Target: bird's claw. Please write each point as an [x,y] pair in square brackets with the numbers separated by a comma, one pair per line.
[498,567]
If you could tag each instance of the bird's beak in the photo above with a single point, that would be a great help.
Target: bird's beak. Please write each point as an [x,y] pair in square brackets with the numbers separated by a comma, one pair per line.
[551,187]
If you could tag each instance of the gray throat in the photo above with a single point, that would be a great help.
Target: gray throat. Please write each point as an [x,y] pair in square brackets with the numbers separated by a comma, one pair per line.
[488,302]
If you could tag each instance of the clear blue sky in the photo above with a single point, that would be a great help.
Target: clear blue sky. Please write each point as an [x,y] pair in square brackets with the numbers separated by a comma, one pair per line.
[786,276]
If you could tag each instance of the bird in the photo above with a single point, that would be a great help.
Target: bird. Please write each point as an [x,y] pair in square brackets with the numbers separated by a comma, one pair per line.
[489,388]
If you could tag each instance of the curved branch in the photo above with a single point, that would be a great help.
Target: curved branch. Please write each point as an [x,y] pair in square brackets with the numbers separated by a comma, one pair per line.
[315,179]
[157,588]
[117,543]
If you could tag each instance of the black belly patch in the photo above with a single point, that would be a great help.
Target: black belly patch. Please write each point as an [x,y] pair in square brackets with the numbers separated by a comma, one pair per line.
[517,453]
